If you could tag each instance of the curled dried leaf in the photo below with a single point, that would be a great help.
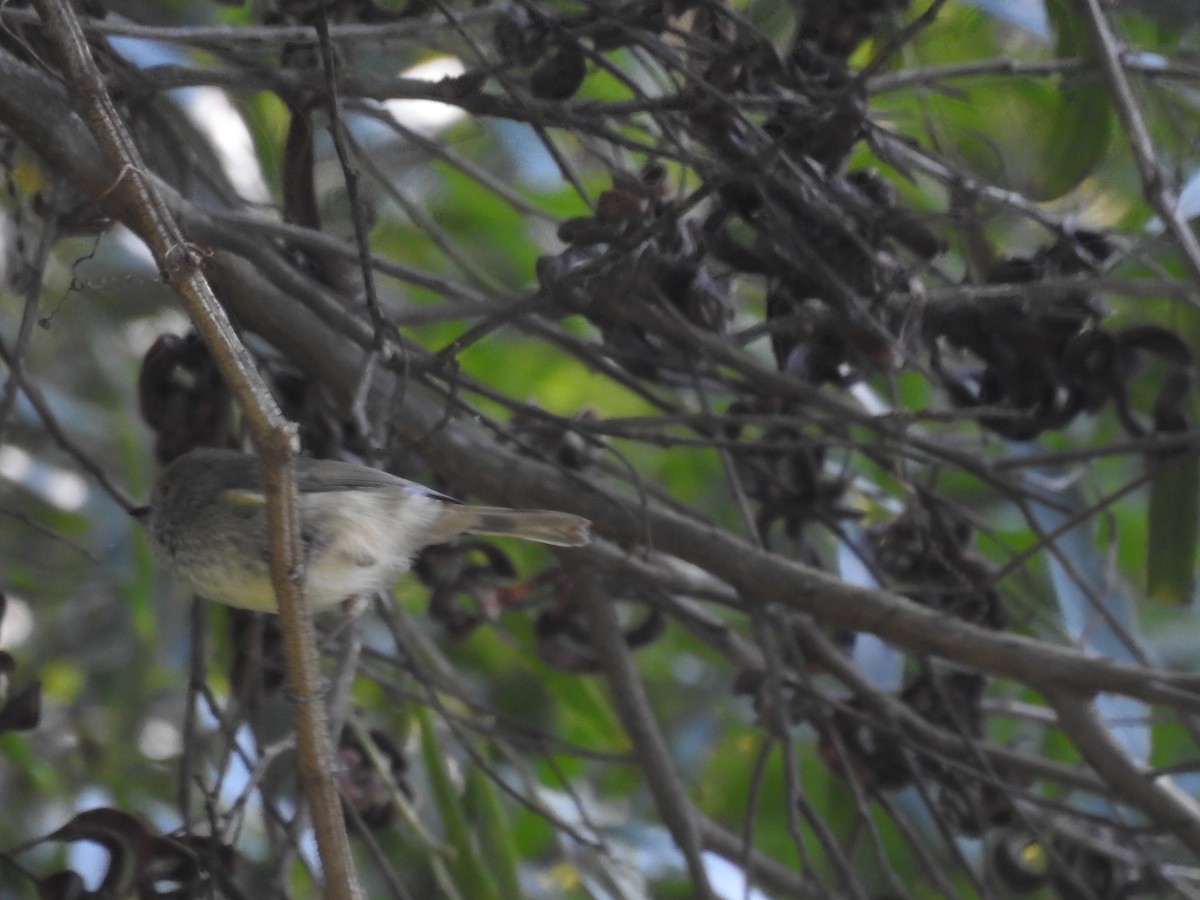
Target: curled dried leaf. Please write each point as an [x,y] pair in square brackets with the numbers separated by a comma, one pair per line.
[561,75]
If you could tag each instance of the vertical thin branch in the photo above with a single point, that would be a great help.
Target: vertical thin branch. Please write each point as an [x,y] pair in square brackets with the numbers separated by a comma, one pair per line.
[273,435]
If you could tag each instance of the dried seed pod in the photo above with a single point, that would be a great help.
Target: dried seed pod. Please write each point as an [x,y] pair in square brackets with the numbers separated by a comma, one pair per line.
[839,28]
[1021,862]
[22,711]
[363,787]
[182,396]
[520,36]
[864,752]
[622,206]
[587,231]
[560,76]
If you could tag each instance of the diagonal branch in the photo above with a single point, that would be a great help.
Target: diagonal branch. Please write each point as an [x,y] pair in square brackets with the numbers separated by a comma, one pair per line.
[1154,180]
[633,706]
[1162,801]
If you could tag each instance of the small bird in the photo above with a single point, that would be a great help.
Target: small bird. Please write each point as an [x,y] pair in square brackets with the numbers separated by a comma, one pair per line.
[359,527]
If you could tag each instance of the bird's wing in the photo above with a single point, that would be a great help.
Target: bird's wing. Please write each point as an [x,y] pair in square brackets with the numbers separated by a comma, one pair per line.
[316,476]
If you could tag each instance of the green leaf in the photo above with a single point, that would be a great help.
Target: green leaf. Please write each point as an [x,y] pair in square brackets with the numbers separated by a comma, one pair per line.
[1173,513]
[466,868]
[485,226]
[1039,136]
[1081,121]
[482,800]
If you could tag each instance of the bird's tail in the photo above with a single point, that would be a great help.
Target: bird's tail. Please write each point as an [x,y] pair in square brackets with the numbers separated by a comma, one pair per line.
[544,526]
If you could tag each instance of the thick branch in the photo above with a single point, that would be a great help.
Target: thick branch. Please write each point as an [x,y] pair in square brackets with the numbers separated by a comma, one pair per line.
[1163,802]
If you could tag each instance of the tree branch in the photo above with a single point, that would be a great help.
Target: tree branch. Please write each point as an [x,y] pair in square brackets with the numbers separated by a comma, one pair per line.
[633,706]
[1154,180]
[148,215]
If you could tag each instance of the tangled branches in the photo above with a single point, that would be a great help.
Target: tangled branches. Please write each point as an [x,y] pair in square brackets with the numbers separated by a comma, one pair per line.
[851,409]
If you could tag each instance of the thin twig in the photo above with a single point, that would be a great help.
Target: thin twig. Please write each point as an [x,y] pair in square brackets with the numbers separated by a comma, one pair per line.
[1154,179]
